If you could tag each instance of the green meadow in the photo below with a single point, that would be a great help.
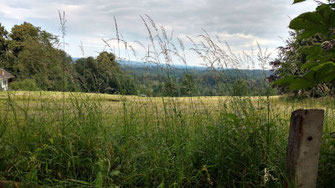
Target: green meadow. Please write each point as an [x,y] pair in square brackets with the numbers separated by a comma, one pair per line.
[101,140]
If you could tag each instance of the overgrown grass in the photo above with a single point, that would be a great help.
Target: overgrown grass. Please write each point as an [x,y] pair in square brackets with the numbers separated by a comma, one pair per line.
[105,141]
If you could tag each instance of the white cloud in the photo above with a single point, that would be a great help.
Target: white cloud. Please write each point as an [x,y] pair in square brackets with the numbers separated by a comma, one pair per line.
[240,23]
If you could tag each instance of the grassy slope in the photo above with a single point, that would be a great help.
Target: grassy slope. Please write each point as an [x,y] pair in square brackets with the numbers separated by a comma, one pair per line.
[76,139]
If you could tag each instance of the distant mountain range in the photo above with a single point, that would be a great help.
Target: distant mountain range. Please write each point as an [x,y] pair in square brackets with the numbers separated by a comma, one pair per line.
[138,64]
[135,65]
[127,63]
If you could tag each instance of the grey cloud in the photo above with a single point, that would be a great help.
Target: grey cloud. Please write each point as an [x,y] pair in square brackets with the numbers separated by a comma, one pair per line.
[94,18]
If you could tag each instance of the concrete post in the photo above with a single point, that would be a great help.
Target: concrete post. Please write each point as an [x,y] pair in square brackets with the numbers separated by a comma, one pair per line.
[303,148]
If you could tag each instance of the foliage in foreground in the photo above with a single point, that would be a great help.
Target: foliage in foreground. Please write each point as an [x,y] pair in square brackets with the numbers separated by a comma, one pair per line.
[149,142]
[307,62]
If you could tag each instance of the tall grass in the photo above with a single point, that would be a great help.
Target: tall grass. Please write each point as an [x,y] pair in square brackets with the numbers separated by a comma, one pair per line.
[148,142]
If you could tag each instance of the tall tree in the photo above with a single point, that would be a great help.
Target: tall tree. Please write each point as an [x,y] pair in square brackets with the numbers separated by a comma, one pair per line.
[103,75]
[188,85]
[3,47]
[34,56]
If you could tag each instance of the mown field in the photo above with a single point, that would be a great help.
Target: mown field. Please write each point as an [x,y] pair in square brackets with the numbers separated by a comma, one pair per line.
[96,140]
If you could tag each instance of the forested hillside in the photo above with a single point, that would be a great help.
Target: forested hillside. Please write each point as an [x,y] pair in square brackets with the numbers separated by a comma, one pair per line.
[179,80]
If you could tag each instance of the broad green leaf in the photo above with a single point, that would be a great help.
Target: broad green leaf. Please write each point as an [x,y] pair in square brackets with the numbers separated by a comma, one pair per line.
[328,15]
[284,81]
[308,65]
[306,21]
[298,1]
[301,83]
[326,76]
[315,56]
[310,23]
[312,51]
[324,72]
[323,66]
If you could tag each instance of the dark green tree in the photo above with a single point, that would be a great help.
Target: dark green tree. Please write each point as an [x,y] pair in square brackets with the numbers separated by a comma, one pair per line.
[240,88]
[170,88]
[103,75]
[32,54]
[188,85]
[3,47]
[20,34]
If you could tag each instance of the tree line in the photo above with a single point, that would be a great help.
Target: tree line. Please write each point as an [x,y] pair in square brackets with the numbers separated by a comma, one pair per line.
[193,81]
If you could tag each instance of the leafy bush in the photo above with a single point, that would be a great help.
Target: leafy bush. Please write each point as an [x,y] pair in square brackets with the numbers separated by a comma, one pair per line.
[24,85]
[307,62]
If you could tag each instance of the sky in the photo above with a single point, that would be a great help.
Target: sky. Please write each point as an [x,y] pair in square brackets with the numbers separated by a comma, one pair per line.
[241,23]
